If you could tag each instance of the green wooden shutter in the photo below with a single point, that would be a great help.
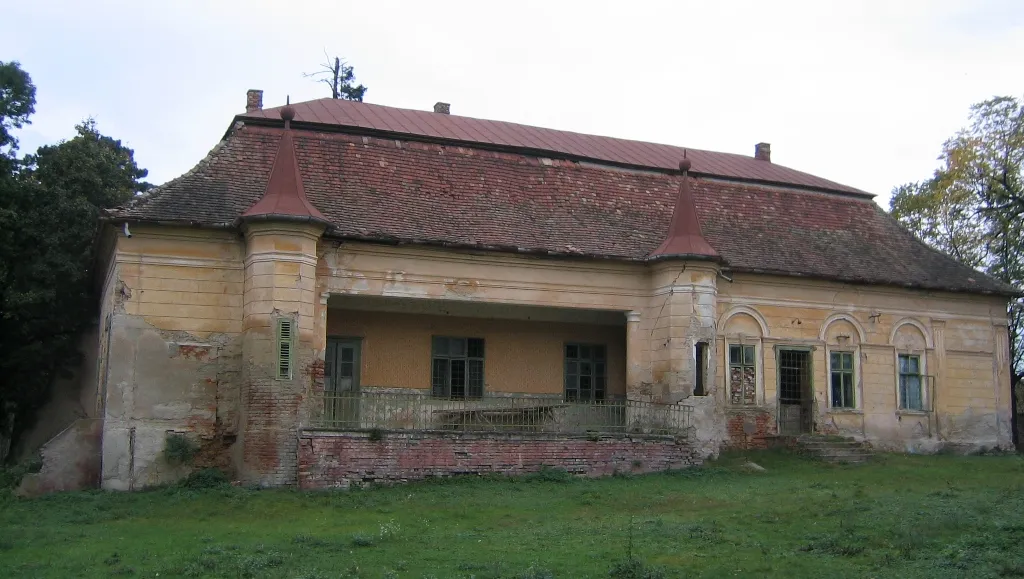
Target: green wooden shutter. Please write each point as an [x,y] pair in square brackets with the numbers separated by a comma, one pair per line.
[285,348]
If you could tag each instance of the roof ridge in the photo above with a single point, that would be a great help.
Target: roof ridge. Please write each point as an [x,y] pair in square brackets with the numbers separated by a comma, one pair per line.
[474,131]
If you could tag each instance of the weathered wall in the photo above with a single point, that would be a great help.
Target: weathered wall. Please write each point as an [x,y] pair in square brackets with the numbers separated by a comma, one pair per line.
[72,398]
[174,300]
[280,278]
[344,459]
[520,355]
[186,342]
[71,461]
[957,336]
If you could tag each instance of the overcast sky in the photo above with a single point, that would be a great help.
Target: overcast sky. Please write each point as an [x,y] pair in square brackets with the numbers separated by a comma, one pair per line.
[862,93]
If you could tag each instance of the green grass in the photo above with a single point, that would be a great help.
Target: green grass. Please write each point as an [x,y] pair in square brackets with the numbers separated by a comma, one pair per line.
[903,516]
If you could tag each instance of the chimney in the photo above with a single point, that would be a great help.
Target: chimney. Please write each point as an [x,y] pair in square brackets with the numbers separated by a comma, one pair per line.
[253,100]
[443,108]
[763,152]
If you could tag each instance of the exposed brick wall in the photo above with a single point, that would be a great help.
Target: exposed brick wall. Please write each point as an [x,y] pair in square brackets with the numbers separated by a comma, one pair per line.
[343,459]
[750,428]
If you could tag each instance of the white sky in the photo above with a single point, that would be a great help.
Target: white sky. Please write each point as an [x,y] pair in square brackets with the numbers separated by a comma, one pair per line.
[862,93]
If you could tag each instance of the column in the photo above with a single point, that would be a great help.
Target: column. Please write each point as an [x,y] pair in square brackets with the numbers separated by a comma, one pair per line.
[634,355]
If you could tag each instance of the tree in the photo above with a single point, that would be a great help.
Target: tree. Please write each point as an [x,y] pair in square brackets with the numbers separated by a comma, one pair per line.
[17,102]
[49,209]
[973,206]
[340,77]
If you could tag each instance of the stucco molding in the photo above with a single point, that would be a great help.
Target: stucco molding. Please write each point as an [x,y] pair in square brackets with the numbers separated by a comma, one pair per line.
[724,319]
[685,289]
[823,334]
[126,258]
[335,283]
[917,324]
[487,258]
[277,256]
[828,305]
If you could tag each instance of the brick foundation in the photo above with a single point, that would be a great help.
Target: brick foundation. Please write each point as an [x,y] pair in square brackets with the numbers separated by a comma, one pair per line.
[752,428]
[343,459]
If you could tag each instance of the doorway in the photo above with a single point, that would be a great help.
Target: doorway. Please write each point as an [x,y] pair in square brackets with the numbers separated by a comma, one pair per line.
[796,393]
[341,384]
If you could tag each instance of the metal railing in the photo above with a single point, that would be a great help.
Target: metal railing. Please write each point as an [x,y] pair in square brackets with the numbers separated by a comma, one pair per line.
[391,410]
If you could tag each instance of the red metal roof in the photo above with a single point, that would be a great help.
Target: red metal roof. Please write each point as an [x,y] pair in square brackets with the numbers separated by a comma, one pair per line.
[684,238]
[284,196]
[342,113]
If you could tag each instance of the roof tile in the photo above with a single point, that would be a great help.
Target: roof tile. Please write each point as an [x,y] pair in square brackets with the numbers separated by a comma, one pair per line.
[369,188]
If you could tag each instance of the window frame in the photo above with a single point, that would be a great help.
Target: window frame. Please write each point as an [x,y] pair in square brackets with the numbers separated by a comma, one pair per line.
[701,356]
[851,371]
[755,365]
[284,347]
[470,391]
[596,376]
[921,382]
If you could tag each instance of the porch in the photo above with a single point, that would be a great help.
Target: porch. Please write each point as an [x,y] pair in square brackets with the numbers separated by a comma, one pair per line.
[396,363]
[380,409]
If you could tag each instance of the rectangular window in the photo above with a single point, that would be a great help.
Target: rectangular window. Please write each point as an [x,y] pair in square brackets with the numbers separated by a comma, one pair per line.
[911,389]
[701,359]
[585,372]
[285,348]
[841,365]
[742,375]
[457,367]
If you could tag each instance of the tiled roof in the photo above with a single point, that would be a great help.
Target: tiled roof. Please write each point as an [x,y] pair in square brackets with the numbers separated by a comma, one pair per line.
[537,140]
[284,196]
[390,190]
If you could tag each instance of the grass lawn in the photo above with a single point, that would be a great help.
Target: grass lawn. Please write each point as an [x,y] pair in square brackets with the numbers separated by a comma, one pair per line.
[902,516]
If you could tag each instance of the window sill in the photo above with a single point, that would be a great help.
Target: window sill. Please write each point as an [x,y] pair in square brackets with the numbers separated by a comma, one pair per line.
[912,413]
[845,411]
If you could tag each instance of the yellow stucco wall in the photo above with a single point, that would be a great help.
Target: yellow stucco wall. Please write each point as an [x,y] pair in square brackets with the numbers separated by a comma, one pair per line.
[955,336]
[520,355]
[183,280]
[171,290]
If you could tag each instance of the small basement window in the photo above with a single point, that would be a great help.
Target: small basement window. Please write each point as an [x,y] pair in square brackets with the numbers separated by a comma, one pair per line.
[285,348]
[700,356]
[457,369]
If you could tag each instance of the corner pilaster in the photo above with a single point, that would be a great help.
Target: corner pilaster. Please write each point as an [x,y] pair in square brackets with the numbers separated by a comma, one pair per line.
[280,284]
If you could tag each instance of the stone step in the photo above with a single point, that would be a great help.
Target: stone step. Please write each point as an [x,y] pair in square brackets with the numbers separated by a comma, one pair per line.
[834,450]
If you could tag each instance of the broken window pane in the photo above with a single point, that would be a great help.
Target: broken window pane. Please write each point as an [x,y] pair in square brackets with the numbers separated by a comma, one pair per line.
[742,375]
[475,347]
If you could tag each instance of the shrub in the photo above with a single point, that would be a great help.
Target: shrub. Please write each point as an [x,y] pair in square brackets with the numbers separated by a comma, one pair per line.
[10,477]
[535,572]
[551,474]
[362,541]
[633,568]
[179,449]
[207,478]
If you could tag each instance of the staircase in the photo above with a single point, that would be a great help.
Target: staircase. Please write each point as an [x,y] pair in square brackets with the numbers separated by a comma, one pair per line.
[833,449]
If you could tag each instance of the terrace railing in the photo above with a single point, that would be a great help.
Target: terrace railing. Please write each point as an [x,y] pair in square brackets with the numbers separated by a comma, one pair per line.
[390,410]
